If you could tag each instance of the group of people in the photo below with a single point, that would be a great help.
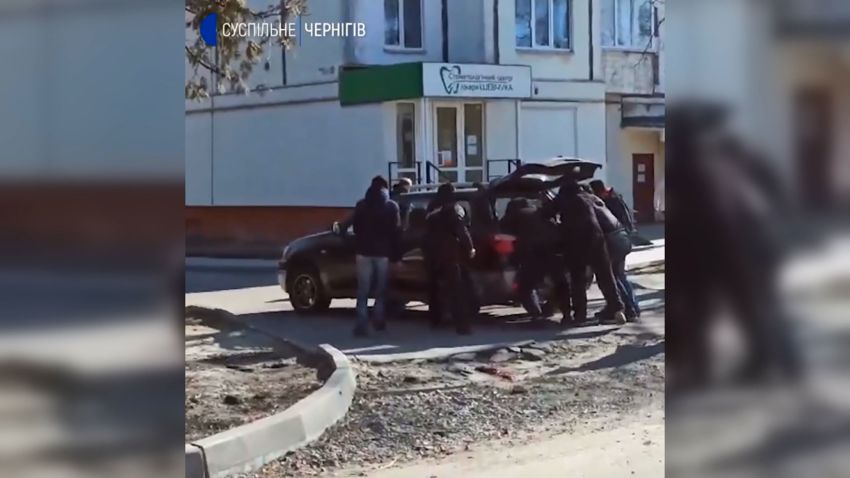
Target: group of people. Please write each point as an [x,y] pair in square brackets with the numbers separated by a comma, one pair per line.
[582,228]
[447,246]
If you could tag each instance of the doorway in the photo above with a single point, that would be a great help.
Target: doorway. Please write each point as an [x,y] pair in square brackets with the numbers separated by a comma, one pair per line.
[459,141]
[643,186]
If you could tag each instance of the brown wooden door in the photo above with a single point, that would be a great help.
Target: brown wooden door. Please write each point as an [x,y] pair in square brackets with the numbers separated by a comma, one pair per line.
[643,186]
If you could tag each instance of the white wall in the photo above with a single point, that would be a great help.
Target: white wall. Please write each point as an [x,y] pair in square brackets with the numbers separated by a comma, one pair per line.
[311,154]
[317,59]
[548,130]
[629,72]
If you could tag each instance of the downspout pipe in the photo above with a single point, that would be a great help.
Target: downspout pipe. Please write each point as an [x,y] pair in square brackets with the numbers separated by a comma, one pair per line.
[445,24]
[497,60]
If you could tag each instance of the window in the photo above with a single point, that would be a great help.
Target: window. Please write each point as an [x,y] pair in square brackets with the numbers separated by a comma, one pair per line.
[543,24]
[627,23]
[403,23]
[406,134]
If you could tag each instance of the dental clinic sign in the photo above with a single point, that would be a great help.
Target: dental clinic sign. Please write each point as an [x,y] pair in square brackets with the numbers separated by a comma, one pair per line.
[476,81]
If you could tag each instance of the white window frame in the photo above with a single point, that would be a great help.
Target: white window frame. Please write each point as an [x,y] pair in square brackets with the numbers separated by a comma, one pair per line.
[653,42]
[533,20]
[401,47]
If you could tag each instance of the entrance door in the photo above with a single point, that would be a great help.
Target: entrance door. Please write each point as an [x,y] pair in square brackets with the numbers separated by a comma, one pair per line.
[459,141]
[643,186]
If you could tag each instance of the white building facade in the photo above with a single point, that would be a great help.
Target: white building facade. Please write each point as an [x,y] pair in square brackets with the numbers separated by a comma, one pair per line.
[633,47]
[437,89]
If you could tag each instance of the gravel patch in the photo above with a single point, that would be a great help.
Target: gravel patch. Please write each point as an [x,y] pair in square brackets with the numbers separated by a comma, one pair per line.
[411,421]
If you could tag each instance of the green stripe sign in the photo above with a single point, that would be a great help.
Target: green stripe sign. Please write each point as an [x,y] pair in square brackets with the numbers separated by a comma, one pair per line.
[376,84]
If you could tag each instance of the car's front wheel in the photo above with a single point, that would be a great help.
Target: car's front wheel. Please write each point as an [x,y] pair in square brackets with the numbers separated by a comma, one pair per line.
[306,293]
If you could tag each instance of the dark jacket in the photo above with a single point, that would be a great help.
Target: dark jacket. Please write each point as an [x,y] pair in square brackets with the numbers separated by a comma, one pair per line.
[376,225]
[447,240]
[579,227]
[608,222]
[535,234]
[617,205]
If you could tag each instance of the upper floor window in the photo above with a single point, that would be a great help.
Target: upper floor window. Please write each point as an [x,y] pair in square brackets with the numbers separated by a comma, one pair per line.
[543,24]
[403,23]
[627,23]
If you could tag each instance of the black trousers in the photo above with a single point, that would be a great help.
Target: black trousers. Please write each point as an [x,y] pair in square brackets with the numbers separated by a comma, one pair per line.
[533,270]
[596,256]
[449,293]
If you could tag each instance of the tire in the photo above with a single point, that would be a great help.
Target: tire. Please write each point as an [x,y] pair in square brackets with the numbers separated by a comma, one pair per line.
[306,292]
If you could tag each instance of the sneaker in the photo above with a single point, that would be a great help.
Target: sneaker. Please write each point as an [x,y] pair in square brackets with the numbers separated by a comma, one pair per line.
[631,316]
[620,318]
[361,331]
[567,323]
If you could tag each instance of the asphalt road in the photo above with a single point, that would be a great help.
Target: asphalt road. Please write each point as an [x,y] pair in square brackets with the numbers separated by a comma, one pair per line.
[251,293]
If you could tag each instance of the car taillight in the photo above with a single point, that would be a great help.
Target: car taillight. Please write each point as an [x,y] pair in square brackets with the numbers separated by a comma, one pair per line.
[504,244]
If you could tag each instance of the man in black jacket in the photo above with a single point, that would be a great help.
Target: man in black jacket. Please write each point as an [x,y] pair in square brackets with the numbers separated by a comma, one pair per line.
[448,246]
[584,244]
[615,203]
[536,254]
[376,235]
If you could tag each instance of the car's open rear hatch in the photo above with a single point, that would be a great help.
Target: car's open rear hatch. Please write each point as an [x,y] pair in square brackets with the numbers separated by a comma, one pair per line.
[545,175]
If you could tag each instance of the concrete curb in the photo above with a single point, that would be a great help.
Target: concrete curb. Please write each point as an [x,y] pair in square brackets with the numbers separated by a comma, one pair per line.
[249,447]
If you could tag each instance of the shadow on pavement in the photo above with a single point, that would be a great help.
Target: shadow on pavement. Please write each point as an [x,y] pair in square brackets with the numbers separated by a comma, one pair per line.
[624,355]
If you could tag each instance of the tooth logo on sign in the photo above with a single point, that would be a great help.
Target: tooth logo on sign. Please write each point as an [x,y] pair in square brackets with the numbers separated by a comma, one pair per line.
[450,77]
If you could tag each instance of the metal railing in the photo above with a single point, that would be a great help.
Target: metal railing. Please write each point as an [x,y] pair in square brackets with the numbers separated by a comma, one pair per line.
[511,165]
[396,166]
[434,175]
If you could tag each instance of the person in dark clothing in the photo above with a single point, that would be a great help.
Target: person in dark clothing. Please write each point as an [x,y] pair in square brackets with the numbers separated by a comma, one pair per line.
[615,203]
[376,235]
[448,247]
[584,244]
[536,255]
[619,246]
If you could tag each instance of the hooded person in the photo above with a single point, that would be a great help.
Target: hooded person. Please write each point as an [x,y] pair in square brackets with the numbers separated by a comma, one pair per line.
[376,235]
[584,245]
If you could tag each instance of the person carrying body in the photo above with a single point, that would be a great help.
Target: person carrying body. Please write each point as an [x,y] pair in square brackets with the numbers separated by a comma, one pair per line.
[536,256]
[584,245]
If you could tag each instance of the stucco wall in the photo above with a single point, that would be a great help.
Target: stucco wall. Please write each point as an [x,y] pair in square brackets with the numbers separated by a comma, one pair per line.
[621,145]
[309,154]
[628,72]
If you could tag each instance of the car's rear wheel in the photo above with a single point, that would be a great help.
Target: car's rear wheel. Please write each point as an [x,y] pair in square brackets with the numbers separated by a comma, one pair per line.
[306,292]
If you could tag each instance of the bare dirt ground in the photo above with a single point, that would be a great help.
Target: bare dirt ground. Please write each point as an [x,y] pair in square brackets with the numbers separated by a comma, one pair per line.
[234,377]
[606,388]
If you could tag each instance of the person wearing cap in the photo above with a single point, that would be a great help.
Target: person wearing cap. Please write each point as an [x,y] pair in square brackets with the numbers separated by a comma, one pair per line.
[448,247]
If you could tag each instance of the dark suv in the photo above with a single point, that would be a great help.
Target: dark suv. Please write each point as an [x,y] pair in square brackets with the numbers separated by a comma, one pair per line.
[320,267]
